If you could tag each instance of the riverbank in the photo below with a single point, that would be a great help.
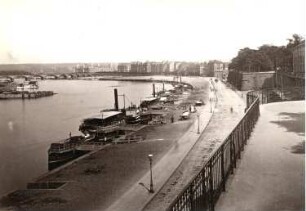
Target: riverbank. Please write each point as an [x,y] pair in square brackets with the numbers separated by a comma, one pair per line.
[98,180]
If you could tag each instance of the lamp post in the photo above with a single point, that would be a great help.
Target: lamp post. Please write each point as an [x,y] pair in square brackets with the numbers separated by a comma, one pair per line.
[150,156]
[198,123]
[210,99]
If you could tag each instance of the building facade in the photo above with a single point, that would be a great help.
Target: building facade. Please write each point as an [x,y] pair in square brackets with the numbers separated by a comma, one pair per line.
[124,67]
[215,68]
[83,68]
[137,67]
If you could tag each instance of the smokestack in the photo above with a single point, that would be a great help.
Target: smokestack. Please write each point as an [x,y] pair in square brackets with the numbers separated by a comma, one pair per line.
[116,100]
[153,90]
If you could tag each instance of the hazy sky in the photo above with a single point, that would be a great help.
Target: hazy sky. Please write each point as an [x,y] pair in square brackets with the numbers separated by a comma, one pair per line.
[128,30]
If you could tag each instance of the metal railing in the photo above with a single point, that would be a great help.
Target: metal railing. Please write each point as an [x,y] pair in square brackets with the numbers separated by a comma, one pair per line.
[205,188]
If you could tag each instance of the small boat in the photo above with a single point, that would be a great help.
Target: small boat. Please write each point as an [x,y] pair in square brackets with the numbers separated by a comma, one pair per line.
[63,151]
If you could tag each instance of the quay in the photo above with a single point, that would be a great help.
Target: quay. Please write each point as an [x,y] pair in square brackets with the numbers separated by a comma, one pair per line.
[143,79]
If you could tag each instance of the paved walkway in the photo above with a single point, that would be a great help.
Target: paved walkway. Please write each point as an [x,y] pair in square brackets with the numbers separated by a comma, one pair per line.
[137,196]
[221,124]
[271,173]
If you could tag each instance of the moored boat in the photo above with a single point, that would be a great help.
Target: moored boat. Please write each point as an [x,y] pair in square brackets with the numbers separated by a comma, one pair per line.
[63,151]
[27,86]
[104,124]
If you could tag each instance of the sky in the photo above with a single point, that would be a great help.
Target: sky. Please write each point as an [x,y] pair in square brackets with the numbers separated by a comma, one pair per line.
[60,31]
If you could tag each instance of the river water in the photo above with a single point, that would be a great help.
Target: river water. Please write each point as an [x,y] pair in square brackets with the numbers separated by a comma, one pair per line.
[27,127]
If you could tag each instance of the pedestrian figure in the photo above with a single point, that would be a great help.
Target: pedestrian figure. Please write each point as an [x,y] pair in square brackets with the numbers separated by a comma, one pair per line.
[231,109]
[172,119]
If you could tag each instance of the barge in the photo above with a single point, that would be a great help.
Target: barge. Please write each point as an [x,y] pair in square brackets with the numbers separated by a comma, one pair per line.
[24,94]
[103,125]
[27,86]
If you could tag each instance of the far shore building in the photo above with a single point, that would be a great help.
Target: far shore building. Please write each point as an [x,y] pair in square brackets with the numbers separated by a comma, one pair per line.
[137,67]
[105,67]
[83,68]
[148,67]
[124,67]
[165,67]
[172,67]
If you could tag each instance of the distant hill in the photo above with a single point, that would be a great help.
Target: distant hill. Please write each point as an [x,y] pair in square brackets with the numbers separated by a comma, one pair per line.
[37,68]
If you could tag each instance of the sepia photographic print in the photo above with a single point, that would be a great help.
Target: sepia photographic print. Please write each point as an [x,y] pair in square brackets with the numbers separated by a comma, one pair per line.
[152,105]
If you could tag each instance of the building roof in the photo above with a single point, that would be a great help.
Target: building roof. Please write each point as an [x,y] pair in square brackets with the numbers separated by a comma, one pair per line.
[148,99]
[104,115]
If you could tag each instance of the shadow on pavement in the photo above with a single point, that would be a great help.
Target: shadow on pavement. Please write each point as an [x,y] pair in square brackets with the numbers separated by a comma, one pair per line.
[293,122]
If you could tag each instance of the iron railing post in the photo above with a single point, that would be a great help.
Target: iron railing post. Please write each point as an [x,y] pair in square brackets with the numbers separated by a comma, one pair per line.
[211,187]
[232,154]
[222,167]
[238,141]
[191,196]
[203,201]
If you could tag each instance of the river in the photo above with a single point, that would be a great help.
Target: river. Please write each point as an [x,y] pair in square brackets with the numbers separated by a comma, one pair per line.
[27,127]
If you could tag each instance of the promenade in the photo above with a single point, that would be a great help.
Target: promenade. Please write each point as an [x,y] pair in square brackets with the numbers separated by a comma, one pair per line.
[271,173]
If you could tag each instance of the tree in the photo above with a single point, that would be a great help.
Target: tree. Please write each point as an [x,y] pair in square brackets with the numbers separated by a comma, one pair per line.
[250,60]
[266,58]
[294,41]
